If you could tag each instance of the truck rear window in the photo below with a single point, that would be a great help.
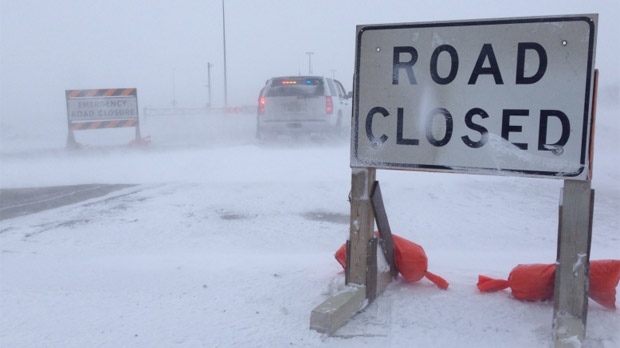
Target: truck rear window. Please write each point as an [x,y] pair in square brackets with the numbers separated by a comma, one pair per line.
[296,87]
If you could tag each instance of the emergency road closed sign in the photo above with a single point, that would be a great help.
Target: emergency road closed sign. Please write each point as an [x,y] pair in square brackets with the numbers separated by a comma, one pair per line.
[102,104]
[504,96]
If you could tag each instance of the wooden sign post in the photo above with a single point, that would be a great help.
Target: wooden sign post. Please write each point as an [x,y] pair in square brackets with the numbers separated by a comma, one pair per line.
[364,279]
[572,271]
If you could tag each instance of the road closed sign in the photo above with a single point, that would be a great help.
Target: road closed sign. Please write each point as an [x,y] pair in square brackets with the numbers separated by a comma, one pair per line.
[102,104]
[499,96]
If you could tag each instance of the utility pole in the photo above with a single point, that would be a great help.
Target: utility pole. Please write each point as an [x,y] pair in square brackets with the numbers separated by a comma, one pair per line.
[174,89]
[224,33]
[310,62]
[209,65]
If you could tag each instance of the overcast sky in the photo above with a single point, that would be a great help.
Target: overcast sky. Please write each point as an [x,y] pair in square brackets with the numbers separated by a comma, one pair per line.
[162,47]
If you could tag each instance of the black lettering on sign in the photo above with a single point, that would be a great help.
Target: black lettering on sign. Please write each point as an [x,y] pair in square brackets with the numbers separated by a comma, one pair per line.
[492,69]
[507,128]
[484,133]
[542,129]
[376,110]
[439,128]
[399,130]
[454,64]
[397,64]
[542,63]
[449,127]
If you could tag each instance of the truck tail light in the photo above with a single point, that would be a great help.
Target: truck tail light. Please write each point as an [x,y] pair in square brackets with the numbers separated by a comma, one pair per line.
[329,105]
[261,105]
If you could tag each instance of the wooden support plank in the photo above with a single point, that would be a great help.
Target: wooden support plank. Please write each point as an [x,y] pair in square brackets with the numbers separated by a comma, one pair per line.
[361,224]
[334,312]
[348,250]
[572,275]
[367,273]
[593,124]
[573,264]
[384,275]
[371,271]
[387,242]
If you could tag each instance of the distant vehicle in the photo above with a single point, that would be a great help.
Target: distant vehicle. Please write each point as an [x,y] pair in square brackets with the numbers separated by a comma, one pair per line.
[303,104]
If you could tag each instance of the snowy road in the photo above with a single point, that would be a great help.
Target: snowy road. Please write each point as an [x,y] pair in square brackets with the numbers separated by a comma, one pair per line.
[24,201]
[226,243]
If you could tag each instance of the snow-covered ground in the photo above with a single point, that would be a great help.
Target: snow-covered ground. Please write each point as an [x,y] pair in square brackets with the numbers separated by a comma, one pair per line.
[228,243]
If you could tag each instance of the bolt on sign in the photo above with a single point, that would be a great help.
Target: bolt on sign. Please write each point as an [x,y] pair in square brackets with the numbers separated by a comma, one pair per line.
[496,96]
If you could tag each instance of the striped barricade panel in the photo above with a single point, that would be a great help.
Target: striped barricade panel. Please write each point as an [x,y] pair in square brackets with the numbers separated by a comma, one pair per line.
[103,108]
[105,92]
[103,124]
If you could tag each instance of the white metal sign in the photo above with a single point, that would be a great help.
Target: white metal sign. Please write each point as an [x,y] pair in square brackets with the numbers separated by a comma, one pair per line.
[504,96]
[102,104]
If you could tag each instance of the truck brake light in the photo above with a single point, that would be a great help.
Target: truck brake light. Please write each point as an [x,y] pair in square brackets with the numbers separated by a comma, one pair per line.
[261,105]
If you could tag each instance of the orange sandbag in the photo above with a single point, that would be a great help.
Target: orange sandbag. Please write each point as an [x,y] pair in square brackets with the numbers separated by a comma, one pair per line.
[527,282]
[604,277]
[341,256]
[486,284]
[410,260]
[412,263]
[535,282]
[437,280]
